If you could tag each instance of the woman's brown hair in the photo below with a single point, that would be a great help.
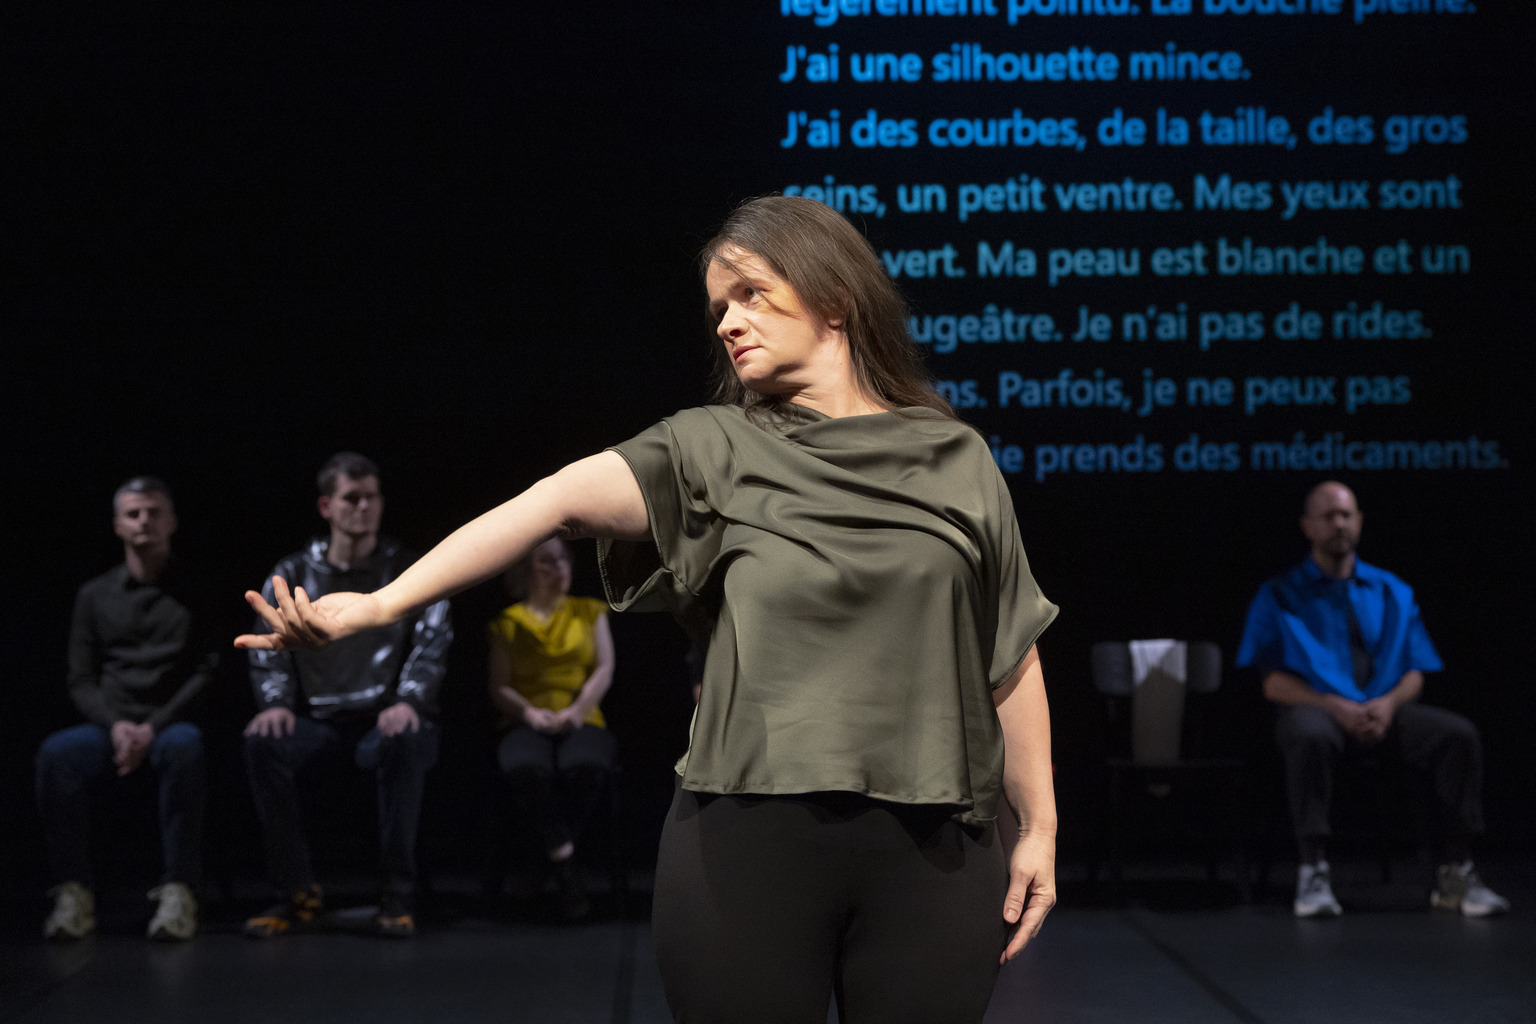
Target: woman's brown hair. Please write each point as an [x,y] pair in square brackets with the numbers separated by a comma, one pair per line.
[839,280]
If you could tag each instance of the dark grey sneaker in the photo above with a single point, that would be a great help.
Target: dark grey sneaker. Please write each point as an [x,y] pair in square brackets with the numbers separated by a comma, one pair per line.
[74,912]
[175,917]
[1457,887]
[1314,892]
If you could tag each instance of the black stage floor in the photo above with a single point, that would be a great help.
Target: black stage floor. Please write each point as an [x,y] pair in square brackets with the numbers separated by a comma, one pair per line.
[1168,955]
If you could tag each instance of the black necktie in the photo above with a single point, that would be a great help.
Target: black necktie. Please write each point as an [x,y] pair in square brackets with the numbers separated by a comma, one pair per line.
[1359,656]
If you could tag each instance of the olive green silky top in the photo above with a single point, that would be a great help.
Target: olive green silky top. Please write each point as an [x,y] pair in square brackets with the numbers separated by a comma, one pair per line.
[863,588]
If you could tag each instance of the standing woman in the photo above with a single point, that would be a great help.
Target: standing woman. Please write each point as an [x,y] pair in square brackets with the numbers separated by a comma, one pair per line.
[551,662]
[871,688]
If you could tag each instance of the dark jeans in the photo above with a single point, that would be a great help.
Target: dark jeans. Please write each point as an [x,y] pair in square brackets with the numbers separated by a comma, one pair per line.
[399,764]
[767,907]
[73,762]
[554,780]
[1439,743]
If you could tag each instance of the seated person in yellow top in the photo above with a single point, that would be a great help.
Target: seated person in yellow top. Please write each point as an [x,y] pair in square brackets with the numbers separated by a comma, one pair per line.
[551,662]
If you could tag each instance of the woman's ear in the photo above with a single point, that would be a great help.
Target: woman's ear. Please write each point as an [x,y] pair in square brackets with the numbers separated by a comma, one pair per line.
[840,321]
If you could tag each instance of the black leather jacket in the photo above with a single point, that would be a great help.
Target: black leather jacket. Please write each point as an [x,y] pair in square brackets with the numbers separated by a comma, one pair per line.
[362,673]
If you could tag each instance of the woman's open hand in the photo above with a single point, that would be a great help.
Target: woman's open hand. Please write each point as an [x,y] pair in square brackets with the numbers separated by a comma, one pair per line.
[301,624]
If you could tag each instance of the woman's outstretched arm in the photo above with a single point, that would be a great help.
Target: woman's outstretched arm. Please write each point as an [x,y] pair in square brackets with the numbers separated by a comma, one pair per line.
[595,497]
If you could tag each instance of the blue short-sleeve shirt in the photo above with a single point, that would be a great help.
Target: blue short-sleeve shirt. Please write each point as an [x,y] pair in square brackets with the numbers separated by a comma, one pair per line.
[1299,623]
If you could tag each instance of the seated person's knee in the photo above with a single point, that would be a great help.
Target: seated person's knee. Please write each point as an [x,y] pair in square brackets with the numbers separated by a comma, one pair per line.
[1308,725]
[1463,732]
[181,746]
[410,746]
[261,749]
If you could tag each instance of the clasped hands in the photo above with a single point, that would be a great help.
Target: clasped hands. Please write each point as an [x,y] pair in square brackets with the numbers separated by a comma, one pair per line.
[1367,721]
[552,723]
[130,742]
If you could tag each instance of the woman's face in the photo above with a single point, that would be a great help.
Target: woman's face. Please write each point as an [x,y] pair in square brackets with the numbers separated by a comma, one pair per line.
[774,343]
[551,569]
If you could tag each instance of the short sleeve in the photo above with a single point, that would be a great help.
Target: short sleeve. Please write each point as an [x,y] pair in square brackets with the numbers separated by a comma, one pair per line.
[1261,643]
[590,609]
[1022,610]
[681,464]
[1420,653]
[502,629]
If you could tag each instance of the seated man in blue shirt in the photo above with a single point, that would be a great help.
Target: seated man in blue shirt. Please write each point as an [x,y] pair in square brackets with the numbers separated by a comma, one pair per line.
[1343,654]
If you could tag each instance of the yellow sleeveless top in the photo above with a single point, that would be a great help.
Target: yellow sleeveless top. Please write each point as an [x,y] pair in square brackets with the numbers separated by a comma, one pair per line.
[551,658]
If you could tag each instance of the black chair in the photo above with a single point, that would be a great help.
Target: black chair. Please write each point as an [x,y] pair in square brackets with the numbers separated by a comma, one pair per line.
[1154,748]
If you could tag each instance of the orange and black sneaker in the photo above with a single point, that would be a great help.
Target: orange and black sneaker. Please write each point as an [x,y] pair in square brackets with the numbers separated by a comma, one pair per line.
[394,919]
[295,914]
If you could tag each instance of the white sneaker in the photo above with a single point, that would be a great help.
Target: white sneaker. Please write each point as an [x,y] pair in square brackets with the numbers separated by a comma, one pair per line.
[1314,893]
[1457,887]
[176,917]
[74,912]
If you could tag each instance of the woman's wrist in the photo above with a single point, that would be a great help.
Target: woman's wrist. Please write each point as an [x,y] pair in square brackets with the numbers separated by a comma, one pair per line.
[1037,830]
[1036,821]
[390,610]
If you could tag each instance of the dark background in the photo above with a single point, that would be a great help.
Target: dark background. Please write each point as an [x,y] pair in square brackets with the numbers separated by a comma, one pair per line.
[461,241]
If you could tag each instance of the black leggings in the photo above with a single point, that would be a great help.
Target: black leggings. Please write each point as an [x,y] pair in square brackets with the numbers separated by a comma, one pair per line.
[767,907]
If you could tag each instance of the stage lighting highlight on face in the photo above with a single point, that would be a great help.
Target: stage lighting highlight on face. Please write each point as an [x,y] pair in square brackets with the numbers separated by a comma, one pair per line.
[771,338]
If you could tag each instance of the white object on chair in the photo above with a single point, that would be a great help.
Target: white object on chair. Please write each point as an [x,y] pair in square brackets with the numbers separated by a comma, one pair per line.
[1158,672]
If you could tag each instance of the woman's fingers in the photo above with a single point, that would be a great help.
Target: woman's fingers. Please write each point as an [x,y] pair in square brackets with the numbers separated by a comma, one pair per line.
[1013,912]
[285,606]
[298,622]
[1029,926]
[1031,894]
[271,616]
[294,624]
[309,616]
[272,641]
[1034,917]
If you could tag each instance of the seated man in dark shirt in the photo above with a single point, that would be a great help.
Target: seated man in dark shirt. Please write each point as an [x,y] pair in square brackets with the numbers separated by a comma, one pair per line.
[139,651]
[1343,653]
[372,696]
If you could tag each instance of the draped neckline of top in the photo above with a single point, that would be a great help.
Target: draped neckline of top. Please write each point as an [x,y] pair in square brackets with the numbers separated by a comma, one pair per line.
[811,428]
[546,617]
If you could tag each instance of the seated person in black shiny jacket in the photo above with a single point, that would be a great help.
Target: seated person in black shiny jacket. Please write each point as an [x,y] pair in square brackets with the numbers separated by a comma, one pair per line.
[372,695]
